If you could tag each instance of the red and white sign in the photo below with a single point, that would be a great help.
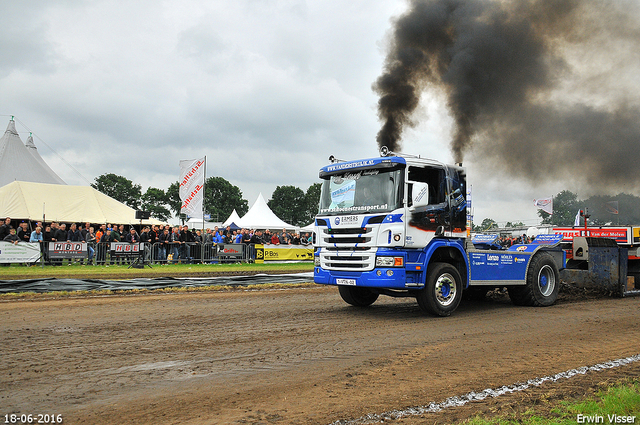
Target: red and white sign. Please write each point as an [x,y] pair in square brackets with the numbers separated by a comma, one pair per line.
[124,248]
[622,235]
[192,186]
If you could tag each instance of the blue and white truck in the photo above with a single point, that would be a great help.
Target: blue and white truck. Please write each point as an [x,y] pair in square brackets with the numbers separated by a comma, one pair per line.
[397,225]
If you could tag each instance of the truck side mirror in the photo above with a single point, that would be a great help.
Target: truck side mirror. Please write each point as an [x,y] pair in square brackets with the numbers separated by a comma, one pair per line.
[420,194]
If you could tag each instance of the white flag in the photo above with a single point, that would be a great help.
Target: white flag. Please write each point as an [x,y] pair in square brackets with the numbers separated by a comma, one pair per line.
[545,204]
[192,186]
[576,222]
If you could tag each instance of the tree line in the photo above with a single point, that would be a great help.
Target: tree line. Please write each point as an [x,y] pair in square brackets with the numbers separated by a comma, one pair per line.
[289,203]
[621,209]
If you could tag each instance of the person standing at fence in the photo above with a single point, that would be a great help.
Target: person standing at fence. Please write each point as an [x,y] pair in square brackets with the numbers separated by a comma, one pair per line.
[153,238]
[207,237]
[285,239]
[90,238]
[133,238]
[59,235]
[145,240]
[37,236]
[163,244]
[84,231]
[46,235]
[115,234]
[73,235]
[246,237]
[12,237]
[186,238]
[174,245]
[5,228]
[257,238]
[100,232]
[105,246]
[23,232]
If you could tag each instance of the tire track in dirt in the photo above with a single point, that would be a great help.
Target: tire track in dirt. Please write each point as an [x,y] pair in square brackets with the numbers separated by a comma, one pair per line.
[292,356]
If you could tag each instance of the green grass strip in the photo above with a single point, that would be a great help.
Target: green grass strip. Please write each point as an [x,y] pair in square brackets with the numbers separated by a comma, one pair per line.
[618,403]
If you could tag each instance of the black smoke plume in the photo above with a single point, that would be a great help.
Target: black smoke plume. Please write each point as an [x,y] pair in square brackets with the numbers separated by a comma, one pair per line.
[536,88]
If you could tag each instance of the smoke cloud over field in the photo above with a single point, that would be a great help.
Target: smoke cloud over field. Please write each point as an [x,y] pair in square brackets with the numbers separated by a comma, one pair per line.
[536,88]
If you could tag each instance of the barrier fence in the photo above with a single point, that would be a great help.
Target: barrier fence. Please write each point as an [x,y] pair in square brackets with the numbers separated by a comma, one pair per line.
[57,253]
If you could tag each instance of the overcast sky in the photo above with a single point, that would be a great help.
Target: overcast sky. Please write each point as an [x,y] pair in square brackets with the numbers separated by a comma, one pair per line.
[266,89]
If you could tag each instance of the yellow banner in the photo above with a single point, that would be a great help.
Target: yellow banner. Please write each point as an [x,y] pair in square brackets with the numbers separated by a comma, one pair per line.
[283,253]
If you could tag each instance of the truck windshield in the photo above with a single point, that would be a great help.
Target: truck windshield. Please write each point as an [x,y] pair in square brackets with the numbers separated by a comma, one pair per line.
[361,192]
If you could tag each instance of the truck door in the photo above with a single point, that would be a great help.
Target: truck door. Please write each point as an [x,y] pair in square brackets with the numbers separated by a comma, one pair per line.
[457,197]
[437,212]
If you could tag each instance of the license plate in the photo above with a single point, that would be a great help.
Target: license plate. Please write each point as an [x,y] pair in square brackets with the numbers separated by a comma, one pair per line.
[351,282]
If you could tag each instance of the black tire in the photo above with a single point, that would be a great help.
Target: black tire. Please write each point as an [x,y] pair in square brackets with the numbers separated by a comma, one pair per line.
[543,283]
[357,296]
[442,292]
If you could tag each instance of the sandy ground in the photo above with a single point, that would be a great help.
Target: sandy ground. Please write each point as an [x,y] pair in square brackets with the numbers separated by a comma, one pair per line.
[295,356]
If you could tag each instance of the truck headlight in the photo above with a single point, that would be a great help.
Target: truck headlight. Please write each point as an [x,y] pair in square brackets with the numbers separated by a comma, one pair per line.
[389,261]
[316,260]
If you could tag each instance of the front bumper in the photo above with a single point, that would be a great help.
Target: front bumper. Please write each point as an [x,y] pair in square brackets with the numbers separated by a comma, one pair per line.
[376,278]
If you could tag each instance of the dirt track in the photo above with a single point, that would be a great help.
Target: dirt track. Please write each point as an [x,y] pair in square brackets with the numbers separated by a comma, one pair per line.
[292,356]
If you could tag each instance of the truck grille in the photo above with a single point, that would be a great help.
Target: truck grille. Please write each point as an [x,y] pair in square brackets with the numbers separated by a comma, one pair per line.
[354,259]
[347,236]
[347,249]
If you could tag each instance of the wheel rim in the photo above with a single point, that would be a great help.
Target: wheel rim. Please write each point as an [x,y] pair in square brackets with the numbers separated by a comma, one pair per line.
[445,289]
[546,281]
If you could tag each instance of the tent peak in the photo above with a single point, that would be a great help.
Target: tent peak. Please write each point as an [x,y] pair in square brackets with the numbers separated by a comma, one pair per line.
[11,128]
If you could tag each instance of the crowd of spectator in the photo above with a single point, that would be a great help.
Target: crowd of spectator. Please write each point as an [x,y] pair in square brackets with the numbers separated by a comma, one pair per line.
[507,241]
[168,244]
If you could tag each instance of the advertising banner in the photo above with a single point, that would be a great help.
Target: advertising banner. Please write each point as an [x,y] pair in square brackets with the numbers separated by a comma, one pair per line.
[125,248]
[192,186]
[622,235]
[235,250]
[22,252]
[67,250]
[283,253]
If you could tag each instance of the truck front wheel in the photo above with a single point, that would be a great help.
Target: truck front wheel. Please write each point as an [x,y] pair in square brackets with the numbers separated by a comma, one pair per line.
[443,290]
[542,286]
[360,297]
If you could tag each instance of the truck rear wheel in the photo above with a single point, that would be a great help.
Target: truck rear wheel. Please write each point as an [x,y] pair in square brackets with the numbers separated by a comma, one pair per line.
[543,283]
[442,292]
[358,296]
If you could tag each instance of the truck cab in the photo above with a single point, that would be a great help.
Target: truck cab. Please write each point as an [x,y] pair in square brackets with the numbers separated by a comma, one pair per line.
[394,225]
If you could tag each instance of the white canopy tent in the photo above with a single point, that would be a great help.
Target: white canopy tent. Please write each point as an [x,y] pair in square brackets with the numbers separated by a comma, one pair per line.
[23,163]
[196,223]
[233,218]
[308,227]
[260,216]
[63,203]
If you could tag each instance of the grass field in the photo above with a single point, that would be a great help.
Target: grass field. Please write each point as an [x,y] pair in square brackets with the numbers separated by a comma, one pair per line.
[617,403]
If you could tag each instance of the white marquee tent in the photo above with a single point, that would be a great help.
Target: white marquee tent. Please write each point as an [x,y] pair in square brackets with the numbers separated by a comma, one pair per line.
[22,163]
[260,216]
[233,218]
[58,202]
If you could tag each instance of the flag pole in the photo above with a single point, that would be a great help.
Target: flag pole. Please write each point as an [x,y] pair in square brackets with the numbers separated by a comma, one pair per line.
[204,182]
